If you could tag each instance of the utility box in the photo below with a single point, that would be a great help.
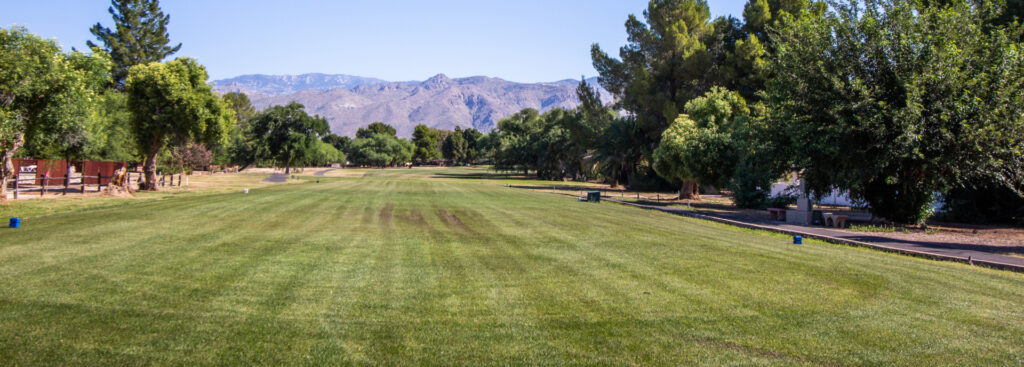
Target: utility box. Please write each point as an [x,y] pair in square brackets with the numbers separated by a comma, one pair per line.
[594,196]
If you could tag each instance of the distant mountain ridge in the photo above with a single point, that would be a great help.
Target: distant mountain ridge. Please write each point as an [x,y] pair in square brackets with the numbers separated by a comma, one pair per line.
[350,102]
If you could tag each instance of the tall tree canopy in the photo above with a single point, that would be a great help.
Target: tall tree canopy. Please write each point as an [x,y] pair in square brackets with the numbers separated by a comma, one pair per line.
[374,129]
[139,36]
[664,64]
[287,135]
[45,95]
[455,147]
[472,137]
[895,101]
[699,146]
[171,104]
[381,150]
[425,139]
[240,105]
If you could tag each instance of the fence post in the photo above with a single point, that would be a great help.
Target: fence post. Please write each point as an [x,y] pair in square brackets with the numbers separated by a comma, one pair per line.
[17,177]
[67,177]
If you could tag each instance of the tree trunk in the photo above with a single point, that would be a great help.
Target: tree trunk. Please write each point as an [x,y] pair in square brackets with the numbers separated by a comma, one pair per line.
[67,172]
[689,190]
[7,164]
[287,168]
[3,187]
[149,168]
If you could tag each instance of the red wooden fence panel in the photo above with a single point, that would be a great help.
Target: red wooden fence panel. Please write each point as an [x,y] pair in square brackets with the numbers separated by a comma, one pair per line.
[56,170]
[97,168]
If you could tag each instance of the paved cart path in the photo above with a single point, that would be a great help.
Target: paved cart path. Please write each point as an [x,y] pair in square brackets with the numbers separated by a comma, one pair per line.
[277,178]
[963,252]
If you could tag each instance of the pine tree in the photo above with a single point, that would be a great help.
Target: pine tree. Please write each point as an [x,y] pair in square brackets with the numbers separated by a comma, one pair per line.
[665,64]
[139,36]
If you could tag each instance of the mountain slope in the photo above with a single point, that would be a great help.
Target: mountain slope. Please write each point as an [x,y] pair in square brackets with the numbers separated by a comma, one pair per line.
[350,102]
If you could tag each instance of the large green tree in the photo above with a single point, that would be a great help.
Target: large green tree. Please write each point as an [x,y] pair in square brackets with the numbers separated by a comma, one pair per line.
[374,129]
[699,147]
[171,104]
[139,36]
[241,106]
[239,148]
[45,95]
[287,135]
[381,150]
[472,137]
[664,64]
[455,148]
[425,139]
[894,101]
[618,151]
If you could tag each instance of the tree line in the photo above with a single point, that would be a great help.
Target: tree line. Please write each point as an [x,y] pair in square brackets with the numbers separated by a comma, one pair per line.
[122,102]
[891,101]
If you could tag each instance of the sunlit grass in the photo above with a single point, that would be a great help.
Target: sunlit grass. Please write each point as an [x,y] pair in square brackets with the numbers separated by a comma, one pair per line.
[415,268]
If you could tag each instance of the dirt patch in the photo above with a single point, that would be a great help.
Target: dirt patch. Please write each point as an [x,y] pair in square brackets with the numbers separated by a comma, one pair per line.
[1006,240]
[453,221]
[386,214]
[415,218]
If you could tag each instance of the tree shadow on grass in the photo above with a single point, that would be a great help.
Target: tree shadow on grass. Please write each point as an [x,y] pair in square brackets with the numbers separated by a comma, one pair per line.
[483,176]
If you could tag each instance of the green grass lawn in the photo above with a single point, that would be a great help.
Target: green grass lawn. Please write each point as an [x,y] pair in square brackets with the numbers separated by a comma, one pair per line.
[417,268]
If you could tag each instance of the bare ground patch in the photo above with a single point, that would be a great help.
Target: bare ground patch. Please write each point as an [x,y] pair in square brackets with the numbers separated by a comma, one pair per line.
[386,214]
[415,218]
[453,221]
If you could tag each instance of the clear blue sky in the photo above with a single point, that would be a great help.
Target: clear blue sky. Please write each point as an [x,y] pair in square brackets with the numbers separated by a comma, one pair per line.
[518,40]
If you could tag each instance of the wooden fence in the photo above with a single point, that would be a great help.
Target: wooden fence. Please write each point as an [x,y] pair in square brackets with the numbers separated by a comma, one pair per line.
[30,184]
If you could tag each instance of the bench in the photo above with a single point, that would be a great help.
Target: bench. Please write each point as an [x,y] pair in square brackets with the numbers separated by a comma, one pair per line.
[777,214]
[834,220]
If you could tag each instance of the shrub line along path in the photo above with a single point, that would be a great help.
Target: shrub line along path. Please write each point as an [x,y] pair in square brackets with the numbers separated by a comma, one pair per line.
[959,252]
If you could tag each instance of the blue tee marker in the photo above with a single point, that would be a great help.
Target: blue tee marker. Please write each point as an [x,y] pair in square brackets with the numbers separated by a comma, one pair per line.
[798,240]
[15,223]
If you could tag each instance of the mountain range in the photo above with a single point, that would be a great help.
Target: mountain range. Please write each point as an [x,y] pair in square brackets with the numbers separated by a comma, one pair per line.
[350,102]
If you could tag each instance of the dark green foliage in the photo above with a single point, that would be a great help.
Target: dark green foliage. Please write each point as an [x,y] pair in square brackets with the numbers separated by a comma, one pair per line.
[426,141]
[472,137]
[618,151]
[381,150]
[455,147]
[529,141]
[139,36]
[665,64]
[894,101]
[110,131]
[375,129]
[46,98]
[287,135]
[239,103]
[172,105]
[987,203]
[341,143]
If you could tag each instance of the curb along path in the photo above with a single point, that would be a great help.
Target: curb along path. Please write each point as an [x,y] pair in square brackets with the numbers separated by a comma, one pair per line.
[917,248]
